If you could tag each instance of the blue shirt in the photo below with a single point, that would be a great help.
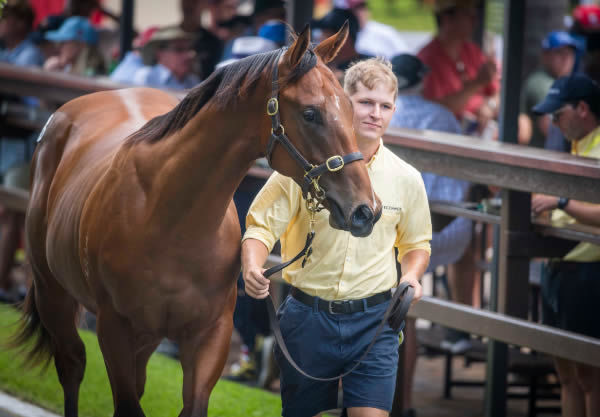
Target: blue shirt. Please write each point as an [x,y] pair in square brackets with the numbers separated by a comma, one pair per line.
[159,76]
[124,72]
[415,112]
[25,54]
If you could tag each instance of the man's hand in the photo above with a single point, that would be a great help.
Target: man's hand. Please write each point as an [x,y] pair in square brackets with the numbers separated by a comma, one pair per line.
[257,286]
[541,203]
[254,255]
[487,73]
[413,281]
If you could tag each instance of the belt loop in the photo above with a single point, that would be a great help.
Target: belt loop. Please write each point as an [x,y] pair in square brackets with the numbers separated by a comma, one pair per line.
[315,306]
[365,305]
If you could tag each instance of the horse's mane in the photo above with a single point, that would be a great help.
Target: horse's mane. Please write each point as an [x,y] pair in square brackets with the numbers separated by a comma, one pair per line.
[223,86]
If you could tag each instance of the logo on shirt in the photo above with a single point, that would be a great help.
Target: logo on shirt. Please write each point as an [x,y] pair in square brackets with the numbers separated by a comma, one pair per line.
[392,208]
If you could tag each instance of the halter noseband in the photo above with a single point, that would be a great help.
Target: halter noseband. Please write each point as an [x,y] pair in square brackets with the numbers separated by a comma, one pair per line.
[312,173]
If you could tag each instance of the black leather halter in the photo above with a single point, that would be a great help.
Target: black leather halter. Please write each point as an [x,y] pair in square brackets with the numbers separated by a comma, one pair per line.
[312,173]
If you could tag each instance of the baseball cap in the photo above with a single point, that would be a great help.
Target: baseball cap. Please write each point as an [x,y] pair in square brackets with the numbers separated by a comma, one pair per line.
[567,90]
[587,16]
[75,28]
[409,70]
[273,30]
[444,5]
[557,39]
[335,19]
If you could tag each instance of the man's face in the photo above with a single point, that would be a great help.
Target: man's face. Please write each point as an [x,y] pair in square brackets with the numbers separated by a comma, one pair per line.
[559,62]
[567,119]
[462,22]
[178,57]
[373,111]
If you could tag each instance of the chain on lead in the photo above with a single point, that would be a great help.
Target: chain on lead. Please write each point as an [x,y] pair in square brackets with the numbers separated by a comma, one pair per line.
[313,206]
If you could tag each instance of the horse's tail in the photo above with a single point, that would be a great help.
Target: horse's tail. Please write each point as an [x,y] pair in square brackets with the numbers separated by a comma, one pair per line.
[31,328]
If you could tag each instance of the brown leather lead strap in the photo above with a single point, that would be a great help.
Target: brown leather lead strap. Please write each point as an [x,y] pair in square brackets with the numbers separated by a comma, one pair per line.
[399,305]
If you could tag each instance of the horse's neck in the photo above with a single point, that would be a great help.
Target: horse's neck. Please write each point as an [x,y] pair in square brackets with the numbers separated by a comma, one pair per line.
[199,168]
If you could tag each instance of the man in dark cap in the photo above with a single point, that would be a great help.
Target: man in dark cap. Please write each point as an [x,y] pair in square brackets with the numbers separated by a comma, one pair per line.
[451,237]
[570,285]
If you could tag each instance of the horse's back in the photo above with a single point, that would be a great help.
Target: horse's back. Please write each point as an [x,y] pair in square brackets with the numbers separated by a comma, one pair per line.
[75,151]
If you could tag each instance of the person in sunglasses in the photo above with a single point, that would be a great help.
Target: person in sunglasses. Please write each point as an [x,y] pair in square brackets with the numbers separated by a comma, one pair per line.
[571,285]
[170,60]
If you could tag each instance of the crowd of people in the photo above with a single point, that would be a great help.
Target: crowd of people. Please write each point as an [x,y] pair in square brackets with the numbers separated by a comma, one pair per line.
[450,85]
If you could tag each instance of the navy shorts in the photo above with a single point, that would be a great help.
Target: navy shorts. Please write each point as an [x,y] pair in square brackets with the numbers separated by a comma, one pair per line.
[570,297]
[325,345]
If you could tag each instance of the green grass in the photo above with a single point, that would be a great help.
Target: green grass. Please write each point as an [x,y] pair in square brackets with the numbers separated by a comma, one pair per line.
[163,388]
[404,15]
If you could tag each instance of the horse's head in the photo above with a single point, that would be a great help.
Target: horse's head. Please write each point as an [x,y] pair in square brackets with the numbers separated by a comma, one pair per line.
[313,138]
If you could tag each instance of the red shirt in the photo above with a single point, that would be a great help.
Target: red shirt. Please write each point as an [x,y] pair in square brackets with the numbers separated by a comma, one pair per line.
[444,77]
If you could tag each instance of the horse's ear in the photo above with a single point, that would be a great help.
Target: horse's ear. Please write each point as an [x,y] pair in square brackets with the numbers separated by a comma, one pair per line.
[298,48]
[329,48]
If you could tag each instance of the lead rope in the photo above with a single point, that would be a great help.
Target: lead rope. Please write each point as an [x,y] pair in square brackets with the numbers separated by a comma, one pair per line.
[397,308]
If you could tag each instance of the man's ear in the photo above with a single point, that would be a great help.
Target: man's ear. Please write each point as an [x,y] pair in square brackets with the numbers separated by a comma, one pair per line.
[295,52]
[329,48]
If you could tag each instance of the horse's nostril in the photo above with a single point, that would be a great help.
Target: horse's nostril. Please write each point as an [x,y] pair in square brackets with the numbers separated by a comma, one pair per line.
[362,215]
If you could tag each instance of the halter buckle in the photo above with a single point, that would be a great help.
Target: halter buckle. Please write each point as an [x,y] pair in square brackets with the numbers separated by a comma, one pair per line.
[272,106]
[281,131]
[332,159]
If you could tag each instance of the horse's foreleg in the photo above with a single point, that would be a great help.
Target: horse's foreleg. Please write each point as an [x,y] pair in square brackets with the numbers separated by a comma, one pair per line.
[58,311]
[203,357]
[116,338]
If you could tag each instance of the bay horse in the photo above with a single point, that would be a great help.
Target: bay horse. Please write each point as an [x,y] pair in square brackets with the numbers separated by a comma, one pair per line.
[131,213]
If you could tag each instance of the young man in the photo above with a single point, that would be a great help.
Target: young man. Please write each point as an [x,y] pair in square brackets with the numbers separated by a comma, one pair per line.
[570,286]
[358,273]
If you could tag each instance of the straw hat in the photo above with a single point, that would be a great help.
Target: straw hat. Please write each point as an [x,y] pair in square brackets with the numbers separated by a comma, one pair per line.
[158,38]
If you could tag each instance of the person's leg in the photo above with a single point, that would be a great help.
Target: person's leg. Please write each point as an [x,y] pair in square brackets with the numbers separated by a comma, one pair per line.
[369,389]
[463,275]
[366,412]
[410,361]
[571,394]
[311,338]
[588,378]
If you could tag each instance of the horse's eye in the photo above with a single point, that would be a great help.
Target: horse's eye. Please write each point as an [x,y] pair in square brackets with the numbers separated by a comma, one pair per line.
[310,115]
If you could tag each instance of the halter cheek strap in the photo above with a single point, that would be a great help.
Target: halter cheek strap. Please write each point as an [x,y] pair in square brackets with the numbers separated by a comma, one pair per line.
[312,172]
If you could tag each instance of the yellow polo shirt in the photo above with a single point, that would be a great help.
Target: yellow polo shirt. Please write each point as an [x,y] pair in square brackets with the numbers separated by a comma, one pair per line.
[344,267]
[584,251]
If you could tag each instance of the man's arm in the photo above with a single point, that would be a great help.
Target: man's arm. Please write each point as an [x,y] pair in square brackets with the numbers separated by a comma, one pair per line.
[414,264]
[582,212]
[456,102]
[254,256]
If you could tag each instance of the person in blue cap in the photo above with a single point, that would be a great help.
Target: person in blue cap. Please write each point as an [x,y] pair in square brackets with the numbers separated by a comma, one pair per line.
[559,55]
[78,53]
[571,284]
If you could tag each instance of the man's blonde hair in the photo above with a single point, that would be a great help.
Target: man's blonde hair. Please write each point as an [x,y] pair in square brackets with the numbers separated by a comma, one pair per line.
[370,72]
